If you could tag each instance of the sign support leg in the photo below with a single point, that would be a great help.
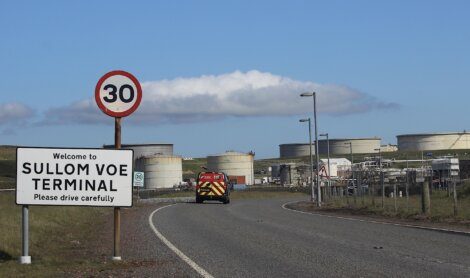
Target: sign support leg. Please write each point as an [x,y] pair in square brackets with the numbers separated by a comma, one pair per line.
[117,210]
[117,234]
[25,258]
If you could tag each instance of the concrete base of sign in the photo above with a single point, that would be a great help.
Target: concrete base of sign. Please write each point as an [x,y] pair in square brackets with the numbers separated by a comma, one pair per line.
[25,260]
[116,258]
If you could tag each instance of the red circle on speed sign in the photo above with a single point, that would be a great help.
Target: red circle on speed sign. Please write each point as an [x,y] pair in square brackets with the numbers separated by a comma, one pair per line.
[118,93]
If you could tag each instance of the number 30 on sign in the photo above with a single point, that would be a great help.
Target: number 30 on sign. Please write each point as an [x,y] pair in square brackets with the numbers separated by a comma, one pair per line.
[118,93]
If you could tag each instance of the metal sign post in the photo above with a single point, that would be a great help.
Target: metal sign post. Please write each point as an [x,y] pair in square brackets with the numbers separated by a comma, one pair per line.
[117,210]
[25,258]
[118,94]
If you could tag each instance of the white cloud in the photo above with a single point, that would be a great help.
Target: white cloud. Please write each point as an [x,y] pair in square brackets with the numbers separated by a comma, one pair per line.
[14,113]
[239,94]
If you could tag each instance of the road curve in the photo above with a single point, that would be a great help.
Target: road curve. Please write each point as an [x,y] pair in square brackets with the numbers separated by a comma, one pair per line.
[258,238]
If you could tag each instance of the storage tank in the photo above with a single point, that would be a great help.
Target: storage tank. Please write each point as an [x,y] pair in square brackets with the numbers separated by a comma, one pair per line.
[434,141]
[141,150]
[337,147]
[344,146]
[275,170]
[161,171]
[233,164]
[295,150]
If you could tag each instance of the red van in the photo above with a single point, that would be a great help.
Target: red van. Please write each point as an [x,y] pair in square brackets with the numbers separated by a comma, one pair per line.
[212,186]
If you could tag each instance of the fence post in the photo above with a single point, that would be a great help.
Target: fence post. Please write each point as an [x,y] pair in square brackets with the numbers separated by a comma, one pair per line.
[395,195]
[425,199]
[455,197]
[407,190]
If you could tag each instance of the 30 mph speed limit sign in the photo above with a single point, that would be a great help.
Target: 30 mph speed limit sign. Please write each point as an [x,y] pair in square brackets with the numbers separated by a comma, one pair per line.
[118,93]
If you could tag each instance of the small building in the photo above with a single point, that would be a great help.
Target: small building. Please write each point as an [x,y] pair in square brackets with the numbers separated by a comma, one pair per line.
[294,174]
[338,166]
[446,167]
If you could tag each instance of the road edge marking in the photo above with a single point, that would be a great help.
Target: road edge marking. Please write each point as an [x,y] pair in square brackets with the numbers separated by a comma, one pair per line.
[377,222]
[173,248]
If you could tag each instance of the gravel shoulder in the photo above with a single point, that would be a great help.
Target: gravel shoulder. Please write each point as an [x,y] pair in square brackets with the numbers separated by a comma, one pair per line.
[143,254]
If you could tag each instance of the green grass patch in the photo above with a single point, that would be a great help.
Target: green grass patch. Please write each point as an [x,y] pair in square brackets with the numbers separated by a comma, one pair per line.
[58,238]
[442,207]
[7,153]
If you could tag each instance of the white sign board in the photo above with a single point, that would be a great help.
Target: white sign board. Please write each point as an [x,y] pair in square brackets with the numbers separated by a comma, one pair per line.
[139,179]
[74,177]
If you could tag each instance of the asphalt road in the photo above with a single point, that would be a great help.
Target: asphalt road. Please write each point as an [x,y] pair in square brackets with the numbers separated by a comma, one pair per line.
[258,238]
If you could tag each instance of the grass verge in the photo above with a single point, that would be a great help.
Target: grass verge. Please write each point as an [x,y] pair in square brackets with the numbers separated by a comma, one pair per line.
[60,239]
[442,208]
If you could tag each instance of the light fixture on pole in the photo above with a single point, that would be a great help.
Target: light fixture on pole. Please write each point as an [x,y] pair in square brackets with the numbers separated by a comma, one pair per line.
[311,155]
[328,155]
[314,96]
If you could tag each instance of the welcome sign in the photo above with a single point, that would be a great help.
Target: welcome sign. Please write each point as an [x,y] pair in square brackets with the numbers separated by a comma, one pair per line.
[76,177]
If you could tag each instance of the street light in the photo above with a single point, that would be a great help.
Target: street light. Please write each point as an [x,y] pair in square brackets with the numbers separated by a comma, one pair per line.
[314,96]
[311,155]
[328,154]
[381,176]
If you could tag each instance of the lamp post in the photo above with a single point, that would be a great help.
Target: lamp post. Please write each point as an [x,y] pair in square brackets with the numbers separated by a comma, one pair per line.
[328,155]
[314,96]
[311,155]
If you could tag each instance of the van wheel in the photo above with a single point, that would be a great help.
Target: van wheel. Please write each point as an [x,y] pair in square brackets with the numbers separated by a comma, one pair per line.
[227,200]
[199,200]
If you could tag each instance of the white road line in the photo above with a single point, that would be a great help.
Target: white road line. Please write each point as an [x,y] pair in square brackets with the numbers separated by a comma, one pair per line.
[173,248]
[376,222]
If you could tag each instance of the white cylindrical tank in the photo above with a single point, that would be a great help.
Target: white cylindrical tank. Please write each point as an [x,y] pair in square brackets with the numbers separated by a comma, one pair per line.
[434,141]
[141,150]
[161,171]
[233,164]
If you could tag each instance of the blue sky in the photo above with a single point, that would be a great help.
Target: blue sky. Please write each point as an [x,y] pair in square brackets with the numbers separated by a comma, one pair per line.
[226,75]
